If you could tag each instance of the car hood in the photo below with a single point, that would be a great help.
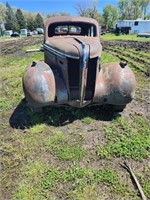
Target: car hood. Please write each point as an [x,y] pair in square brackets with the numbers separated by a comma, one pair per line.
[72,46]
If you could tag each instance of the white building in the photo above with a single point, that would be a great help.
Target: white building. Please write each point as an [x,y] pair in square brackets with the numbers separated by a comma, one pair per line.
[134,26]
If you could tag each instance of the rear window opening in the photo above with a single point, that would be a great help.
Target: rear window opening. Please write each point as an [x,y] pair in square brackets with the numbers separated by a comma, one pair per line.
[67,29]
[84,29]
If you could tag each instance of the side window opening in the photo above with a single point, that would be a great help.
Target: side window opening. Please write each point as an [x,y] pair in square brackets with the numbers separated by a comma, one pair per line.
[136,23]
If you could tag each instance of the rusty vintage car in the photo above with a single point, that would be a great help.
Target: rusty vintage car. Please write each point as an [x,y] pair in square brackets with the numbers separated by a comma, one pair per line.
[71,73]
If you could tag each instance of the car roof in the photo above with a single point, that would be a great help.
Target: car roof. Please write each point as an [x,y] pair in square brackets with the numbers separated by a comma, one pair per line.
[69,19]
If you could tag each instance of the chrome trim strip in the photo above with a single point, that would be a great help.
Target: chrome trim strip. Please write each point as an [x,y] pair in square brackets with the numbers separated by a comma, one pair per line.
[83,72]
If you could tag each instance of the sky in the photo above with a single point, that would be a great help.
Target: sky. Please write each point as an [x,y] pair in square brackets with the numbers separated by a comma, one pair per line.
[52,6]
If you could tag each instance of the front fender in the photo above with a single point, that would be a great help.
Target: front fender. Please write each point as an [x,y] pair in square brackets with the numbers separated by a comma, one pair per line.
[39,84]
[115,84]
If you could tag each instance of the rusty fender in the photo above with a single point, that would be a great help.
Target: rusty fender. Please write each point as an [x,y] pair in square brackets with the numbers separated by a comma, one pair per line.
[39,84]
[115,84]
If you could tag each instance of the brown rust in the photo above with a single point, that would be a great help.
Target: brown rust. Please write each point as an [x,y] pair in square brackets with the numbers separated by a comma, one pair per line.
[71,74]
[114,85]
[39,84]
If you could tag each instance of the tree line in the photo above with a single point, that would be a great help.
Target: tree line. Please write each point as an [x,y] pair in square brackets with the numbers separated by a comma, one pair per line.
[13,18]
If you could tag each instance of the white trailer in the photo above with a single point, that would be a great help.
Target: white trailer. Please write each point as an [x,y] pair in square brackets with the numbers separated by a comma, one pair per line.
[8,32]
[40,30]
[23,31]
[134,26]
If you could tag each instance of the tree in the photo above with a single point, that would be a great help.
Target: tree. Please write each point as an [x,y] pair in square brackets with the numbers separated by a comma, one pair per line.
[145,4]
[109,15]
[20,19]
[123,9]
[88,10]
[39,23]
[31,23]
[133,9]
[81,9]
[11,21]
[2,13]
[2,18]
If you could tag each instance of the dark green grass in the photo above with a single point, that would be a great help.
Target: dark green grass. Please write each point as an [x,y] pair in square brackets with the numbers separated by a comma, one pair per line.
[124,139]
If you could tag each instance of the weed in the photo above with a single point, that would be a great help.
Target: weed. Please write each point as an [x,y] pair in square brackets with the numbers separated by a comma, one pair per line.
[4,103]
[124,140]
[87,192]
[84,181]
[145,182]
[103,152]
[107,176]
[63,148]
[29,186]
[73,173]
[55,138]
[38,128]
[68,152]
[25,192]
[50,178]
[87,120]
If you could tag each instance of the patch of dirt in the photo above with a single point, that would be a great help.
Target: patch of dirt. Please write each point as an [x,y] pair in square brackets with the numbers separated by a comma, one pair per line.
[13,45]
[127,44]
[130,58]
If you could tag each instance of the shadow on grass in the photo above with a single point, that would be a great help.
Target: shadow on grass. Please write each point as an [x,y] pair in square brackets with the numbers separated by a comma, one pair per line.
[23,117]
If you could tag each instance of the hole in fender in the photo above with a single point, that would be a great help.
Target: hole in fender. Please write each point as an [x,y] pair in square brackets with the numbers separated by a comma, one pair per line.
[60,62]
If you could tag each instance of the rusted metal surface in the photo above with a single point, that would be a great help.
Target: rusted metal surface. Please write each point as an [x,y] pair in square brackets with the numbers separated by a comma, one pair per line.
[71,74]
[115,84]
[39,84]
[73,47]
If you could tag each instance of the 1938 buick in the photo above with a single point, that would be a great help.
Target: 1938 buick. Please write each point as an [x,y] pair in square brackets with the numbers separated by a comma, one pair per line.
[71,73]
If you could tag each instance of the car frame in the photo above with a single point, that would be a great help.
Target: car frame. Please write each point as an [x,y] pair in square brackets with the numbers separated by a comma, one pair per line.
[71,73]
